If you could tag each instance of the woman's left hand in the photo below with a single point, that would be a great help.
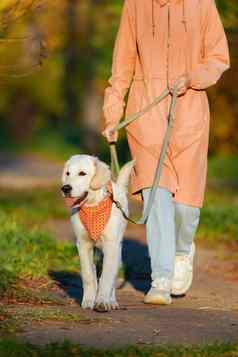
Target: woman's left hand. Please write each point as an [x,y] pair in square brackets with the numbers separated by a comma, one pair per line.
[182,84]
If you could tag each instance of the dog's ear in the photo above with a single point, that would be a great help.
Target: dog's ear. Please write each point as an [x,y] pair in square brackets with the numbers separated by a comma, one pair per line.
[102,175]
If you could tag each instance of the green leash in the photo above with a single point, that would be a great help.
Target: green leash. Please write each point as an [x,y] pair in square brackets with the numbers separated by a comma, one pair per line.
[115,168]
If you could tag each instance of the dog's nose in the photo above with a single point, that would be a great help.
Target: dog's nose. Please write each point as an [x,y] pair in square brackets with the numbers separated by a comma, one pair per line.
[66,189]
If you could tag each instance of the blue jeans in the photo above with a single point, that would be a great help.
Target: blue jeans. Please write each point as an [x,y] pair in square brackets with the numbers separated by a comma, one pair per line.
[170,230]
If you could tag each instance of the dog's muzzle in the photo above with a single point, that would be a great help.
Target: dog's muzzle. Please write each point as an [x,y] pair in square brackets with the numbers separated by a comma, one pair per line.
[74,201]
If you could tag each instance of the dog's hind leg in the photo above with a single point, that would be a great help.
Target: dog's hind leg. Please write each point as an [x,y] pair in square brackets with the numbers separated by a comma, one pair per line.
[88,273]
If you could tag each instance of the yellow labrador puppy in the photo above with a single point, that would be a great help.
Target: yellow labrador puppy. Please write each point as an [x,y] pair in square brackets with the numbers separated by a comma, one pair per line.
[88,187]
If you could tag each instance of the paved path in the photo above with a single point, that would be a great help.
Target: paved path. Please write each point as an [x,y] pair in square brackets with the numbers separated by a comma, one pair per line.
[27,171]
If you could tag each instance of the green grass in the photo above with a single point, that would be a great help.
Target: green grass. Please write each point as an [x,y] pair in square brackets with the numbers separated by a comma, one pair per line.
[27,251]
[223,168]
[47,144]
[21,291]
[13,348]
[48,315]
[52,146]
[31,253]
[219,216]
[13,321]
[33,207]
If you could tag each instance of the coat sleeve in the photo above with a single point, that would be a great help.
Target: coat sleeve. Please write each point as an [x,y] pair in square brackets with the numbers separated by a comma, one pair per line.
[123,66]
[215,49]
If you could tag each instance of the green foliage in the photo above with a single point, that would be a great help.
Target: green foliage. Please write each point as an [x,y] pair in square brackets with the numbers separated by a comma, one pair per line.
[219,223]
[229,11]
[12,10]
[223,168]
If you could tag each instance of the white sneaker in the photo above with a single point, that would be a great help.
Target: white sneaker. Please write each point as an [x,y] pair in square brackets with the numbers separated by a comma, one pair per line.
[183,273]
[159,292]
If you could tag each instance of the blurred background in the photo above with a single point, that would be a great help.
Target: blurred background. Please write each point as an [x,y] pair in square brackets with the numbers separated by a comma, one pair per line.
[57,108]
[55,60]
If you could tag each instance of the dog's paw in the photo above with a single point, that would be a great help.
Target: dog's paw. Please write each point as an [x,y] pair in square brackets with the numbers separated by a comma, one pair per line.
[104,306]
[115,305]
[88,303]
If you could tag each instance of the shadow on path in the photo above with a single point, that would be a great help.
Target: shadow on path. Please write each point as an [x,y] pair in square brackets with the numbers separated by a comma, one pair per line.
[136,266]
[70,283]
[136,263]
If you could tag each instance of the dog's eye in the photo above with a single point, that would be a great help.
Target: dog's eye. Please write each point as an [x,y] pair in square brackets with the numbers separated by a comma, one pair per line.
[82,173]
[67,173]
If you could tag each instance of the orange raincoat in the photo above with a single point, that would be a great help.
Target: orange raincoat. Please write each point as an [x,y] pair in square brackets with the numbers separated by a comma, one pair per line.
[157,42]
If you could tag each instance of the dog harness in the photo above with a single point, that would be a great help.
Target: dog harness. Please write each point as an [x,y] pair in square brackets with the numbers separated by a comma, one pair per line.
[94,218]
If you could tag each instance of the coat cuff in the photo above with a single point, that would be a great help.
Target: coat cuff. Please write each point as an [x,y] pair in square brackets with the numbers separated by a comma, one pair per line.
[206,75]
[199,78]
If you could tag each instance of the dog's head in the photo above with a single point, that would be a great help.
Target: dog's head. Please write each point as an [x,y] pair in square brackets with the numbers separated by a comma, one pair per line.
[83,173]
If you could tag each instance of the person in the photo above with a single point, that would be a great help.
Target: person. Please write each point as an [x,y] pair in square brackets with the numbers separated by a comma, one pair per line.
[159,44]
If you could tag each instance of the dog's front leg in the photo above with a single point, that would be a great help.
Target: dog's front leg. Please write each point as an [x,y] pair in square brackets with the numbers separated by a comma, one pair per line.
[106,299]
[88,273]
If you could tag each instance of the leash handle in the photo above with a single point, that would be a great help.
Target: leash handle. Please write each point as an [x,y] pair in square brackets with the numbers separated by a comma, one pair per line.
[115,167]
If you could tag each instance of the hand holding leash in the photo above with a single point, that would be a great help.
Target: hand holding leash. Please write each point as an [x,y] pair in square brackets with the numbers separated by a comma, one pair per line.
[182,84]
[110,134]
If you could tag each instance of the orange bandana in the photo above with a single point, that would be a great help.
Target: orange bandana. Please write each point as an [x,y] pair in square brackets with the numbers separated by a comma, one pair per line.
[95,218]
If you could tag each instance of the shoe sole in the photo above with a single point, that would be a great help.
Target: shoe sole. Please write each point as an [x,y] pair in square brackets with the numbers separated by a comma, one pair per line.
[182,292]
[177,296]
[157,301]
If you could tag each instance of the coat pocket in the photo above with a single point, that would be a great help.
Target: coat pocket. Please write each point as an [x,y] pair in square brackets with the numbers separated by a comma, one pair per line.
[192,114]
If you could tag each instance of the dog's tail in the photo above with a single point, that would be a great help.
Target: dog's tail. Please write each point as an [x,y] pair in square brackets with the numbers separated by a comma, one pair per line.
[124,174]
